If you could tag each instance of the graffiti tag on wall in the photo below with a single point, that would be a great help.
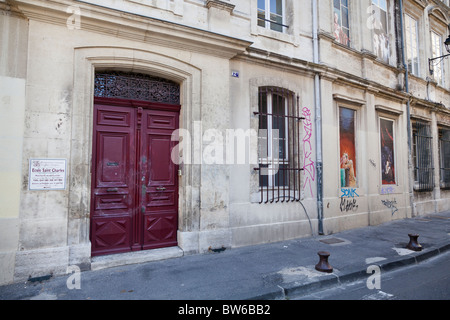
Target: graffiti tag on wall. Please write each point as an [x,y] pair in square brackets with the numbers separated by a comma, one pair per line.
[350,192]
[391,204]
[348,201]
[348,205]
[387,190]
[308,163]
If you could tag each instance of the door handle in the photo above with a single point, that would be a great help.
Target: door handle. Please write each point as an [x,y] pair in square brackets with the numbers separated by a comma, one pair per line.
[161,188]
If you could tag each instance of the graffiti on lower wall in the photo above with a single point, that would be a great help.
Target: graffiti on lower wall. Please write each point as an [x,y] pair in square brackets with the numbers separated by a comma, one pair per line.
[308,163]
[348,200]
[348,205]
[349,192]
[391,204]
[387,190]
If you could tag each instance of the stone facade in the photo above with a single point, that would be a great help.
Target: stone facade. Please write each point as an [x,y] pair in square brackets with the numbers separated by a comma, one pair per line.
[220,54]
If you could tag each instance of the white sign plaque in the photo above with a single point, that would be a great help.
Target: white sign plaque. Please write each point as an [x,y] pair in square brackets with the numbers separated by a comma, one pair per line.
[47,174]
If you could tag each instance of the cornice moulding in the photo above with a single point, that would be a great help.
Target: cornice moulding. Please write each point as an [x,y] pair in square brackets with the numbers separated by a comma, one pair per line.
[278,61]
[220,5]
[349,100]
[427,104]
[390,110]
[134,27]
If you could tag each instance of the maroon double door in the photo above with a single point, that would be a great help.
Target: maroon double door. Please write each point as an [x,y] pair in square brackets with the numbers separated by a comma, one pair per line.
[134,204]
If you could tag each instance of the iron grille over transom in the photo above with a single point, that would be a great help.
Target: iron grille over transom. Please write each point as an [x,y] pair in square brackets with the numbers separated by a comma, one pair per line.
[136,86]
[279,145]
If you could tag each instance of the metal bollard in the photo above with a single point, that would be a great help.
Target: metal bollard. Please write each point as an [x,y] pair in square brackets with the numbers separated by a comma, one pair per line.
[413,244]
[323,264]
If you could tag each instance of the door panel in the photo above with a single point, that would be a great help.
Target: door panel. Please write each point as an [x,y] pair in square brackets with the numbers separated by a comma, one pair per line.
[113,189]
[119,117]
[161,172]
[161,180]
[134,203]
[161,198]
[160,231]
[113,150]
[161,120]
[111,202]
[112,235]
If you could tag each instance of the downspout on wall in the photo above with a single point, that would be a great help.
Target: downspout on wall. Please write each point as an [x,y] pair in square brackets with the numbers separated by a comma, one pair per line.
[408,112]
[318,119]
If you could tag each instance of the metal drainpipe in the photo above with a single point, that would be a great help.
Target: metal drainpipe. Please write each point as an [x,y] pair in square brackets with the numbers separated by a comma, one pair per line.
[318,119]
[408,111]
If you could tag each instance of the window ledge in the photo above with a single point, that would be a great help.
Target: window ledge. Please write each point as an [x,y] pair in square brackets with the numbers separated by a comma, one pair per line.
[348,48]
[349,100]
[444,185]
[289,197]
[418,188]
[390,110]
[276,35]
[175,7]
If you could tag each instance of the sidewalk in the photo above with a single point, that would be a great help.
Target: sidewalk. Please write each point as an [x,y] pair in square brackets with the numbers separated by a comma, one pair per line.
[270,271]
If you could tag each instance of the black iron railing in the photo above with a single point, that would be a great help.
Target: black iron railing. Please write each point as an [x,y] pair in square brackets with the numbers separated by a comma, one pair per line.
[272,22]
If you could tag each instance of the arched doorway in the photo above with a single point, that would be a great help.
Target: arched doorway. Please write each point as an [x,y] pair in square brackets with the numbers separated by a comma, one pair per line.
[134,191]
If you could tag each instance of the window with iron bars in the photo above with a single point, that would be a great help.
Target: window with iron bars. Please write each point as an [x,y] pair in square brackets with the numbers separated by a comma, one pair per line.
[271,14]
[423,157]
[279,146]
[444,155]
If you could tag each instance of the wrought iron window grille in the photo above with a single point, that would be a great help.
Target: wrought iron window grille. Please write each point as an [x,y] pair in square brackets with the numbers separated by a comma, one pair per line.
[279,170]
[423,157]
[444,154]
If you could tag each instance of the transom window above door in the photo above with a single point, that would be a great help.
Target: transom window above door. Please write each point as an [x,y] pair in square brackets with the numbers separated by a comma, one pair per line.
[136,86]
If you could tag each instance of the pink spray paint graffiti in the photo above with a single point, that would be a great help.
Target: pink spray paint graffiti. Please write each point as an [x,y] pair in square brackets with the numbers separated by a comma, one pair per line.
[308,164]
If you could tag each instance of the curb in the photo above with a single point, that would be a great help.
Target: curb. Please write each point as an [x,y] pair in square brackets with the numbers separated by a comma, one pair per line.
[333,279]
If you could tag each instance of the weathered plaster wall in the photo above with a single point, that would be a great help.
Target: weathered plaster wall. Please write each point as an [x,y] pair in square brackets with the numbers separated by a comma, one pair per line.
[13,71]
[46,75]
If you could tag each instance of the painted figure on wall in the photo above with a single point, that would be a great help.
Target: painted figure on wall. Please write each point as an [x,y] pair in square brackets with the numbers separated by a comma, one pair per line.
[347,147]
[381,45]
[341,25]
[379,24]
[347,172]
[387,151]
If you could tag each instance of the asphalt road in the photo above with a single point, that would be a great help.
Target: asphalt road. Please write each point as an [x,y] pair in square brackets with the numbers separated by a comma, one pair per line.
[429,280]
